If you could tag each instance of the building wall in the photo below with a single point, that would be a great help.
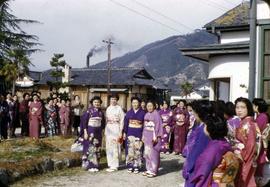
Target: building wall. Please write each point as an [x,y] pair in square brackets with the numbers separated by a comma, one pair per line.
[234,36]
[263,10]
[234,67]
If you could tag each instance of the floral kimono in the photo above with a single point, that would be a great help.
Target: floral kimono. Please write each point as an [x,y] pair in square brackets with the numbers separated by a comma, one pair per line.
[51,119]
[166,116]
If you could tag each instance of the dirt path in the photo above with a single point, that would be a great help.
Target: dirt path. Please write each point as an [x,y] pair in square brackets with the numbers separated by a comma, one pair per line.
[169,176]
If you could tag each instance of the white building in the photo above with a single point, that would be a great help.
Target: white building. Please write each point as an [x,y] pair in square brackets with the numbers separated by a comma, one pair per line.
[229,59]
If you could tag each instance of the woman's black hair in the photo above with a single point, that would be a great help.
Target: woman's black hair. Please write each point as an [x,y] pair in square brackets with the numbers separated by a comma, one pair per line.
[136,98]
[165,101]
[229,109]
[218,108]
[114,95]
[203,108]
[96,98]
[261,104]
[75,96]
[248,105]
[182,100]
[216,127]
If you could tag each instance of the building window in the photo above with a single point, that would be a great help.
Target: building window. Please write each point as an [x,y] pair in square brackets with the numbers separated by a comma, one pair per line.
[222,89]
[266,63]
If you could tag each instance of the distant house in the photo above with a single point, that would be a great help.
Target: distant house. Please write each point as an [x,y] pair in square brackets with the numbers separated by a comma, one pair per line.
[87,82]
[229,59]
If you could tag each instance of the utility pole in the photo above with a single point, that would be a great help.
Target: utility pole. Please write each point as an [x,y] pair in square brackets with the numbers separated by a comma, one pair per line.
[109,43]
[252,49]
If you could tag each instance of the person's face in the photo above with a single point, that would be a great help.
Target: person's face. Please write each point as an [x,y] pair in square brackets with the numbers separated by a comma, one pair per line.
[77,98]
[26,97]
[15,98]
[181,104]
[241,110]
[50,102]
[63,102]
[35,98]
[135,104]
[190,110]
[255,108]
[96,103]
[196,116]
[205,131]
[150,107]
[165,106]
[143,104]
[113,101]
[55,101]
[68,103]
[8,96]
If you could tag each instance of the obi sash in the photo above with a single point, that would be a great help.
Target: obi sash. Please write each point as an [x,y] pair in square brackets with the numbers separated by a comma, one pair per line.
[165,118]
[133,123]
[94,122]
[149,125]
[113,120]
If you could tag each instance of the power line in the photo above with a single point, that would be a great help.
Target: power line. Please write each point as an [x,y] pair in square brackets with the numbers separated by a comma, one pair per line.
[217,4]
[149,18]
[161,14]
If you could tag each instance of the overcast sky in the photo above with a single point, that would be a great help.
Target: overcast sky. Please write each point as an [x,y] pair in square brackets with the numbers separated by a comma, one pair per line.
[73,27]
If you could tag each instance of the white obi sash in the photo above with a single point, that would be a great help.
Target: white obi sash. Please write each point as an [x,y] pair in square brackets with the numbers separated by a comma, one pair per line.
[149,125]
[94,122]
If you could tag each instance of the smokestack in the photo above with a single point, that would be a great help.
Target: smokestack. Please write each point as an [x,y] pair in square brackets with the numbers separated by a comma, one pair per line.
[90,54]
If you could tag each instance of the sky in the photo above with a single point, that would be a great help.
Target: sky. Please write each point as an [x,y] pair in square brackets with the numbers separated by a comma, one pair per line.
[74,27]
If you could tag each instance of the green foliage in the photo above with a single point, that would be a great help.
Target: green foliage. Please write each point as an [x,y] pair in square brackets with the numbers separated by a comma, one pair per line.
[186,88]
[57,64]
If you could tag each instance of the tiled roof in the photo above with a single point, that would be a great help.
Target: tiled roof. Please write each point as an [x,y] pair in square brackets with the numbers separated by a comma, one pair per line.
[235,17]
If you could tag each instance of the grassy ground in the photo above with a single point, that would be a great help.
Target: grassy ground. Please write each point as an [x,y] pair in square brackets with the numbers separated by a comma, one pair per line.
[21,154]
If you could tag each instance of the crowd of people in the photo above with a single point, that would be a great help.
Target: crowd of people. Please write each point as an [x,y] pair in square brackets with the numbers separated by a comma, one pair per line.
[224,144]
[57,116]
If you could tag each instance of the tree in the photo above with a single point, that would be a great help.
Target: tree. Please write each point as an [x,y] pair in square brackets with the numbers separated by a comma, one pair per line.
[57,64]
[186,88]
[15,45]
[15,66]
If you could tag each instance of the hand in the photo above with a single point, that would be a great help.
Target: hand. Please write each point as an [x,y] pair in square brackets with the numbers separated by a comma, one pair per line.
[155,141]
[124,136]
[85,136]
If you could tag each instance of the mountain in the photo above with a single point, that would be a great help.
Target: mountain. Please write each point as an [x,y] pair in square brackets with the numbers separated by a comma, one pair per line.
[163,60]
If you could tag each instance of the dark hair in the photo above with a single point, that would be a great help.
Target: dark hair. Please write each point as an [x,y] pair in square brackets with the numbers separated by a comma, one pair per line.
[261,104]
[229,109]
[203,108]
[95,98]
[135,98]
[216,127]
[75,96]
[189,104]
[248,105]
[165,101]
[114,95]
[218,108]
[25,94]
[49,99]
[181,100]
[153,102]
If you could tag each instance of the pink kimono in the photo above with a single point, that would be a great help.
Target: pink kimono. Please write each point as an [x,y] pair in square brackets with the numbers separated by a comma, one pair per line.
[64,114]
[35,119]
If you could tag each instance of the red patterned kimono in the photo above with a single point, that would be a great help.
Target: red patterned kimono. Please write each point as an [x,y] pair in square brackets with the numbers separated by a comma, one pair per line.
[247,134]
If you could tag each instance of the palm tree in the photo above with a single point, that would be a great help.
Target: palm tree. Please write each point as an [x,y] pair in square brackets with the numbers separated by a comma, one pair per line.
[15,44]
[186,88]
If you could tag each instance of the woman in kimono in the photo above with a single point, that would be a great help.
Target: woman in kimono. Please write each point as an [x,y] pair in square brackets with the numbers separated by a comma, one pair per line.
[24,114]
[233,122]
[180,129]
[166,116]
[77,109]
[133,128]
[216,129]
[16,114]
[11,115]
[262,118]
[197,141]
[51,118]
[246,134]
[64,114]
[35,117]
[68,117]
[92,123]
[152,133]
[113,133]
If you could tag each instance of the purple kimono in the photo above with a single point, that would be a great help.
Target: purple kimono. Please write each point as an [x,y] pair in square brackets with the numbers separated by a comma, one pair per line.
[93,122]
[166,116]
[208,160]
[152,130]
[196,143]
[133,128]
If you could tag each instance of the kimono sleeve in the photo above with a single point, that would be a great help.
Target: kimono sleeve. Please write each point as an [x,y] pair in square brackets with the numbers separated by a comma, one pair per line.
[158,125]
[204,166]
[103,121]
[126,121]
[84,120]
[122,118]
